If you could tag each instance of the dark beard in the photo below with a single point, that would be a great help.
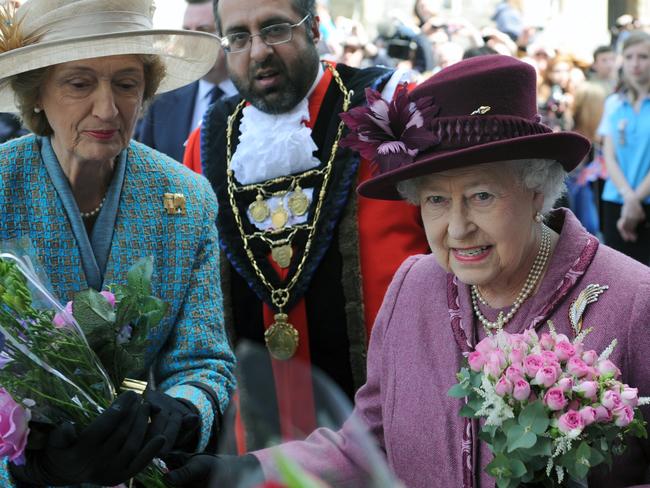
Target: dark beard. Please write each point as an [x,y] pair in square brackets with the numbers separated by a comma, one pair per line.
[292,91]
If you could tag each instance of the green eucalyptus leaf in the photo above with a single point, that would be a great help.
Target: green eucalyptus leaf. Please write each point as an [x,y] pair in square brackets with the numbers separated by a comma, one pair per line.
[139,276]
[596,457]
[499,467]
[543,447]
[463,375]
[534,417]
[520,437]
[476,379]
[457,391]
[152,311]
[518,468]
[637,429]
[91,310]
[467,411]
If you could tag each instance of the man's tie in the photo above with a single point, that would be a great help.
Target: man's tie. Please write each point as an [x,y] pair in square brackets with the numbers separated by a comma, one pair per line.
[215,94]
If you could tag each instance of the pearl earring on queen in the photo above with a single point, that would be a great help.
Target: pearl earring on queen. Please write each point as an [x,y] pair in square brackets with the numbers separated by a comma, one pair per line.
[37,110]
[539,218]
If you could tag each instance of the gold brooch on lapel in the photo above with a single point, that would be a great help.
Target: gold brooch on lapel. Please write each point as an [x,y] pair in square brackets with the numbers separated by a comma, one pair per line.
[589,295]
[174,203]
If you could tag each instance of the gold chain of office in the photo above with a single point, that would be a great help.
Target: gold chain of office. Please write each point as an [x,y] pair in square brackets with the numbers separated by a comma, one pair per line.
[281,337]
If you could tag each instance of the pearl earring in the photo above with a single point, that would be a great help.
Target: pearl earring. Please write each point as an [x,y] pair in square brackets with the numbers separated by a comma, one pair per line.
[37,110]
[539,218]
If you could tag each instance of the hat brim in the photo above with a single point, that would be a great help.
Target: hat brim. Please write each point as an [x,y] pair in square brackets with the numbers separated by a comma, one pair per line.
[568,148]
[188,55]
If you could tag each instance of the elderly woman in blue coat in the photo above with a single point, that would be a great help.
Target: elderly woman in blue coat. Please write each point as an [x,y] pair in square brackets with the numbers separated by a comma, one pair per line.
[92,202]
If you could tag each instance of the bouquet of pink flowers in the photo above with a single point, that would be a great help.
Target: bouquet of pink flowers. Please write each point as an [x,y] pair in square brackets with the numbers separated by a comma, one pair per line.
[551,409]
[64,364]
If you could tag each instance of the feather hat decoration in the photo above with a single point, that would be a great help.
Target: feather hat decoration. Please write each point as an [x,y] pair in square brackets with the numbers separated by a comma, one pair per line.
[11,32]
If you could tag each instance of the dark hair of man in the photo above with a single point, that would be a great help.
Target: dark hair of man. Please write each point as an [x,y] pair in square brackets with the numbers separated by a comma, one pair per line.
[602,50]
[303,7]
[196,2]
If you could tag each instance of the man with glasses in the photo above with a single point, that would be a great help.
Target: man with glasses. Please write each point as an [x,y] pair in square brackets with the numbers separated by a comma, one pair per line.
[306,261]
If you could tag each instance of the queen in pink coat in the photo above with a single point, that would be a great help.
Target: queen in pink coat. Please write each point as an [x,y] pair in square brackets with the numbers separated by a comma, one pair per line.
[467,147]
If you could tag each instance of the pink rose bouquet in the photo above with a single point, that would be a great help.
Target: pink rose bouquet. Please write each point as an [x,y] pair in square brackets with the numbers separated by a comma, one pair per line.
[62,364]
[551,410]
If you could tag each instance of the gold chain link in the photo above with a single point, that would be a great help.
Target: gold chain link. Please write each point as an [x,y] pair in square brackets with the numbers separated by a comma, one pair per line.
[280,296]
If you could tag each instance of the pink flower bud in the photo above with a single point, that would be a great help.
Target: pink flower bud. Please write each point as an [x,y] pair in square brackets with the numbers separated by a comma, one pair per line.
[493,368]
[608,369]
[521,389]
[476,361]
[547,342]
[63,320]
[555,399]
[514,372]
[588,415]
[587,389]
[530,336]
[516,356]
[590,357]
[564,350]
[603,415]
[110,298]
[611,399]
[577,367]
[571,421]
[532,363]
[550,358]
[623,415]
[486,346]
[630,396]
[14,428]
[545,376]
[503,386]
[566,384]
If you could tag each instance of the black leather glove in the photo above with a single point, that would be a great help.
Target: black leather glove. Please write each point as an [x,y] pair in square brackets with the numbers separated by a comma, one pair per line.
[109,451]
[176,419]
[206,470]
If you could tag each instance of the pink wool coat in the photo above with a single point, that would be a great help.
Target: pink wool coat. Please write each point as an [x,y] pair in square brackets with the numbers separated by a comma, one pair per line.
[414,356]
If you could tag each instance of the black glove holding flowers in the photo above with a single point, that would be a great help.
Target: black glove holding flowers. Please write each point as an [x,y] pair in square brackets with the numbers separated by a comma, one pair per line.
[207,470]
[111,450]
[175,419]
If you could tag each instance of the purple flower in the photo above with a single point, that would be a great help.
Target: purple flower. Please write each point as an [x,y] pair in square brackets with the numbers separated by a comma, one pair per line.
[390,135]
[63,320]
[124,335]
[14,421]
[110,298]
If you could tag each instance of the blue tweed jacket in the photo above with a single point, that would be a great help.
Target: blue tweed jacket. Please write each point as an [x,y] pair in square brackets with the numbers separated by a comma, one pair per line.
[190,344]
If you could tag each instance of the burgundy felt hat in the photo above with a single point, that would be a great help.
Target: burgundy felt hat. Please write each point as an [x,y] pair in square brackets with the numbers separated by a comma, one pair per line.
[479,110]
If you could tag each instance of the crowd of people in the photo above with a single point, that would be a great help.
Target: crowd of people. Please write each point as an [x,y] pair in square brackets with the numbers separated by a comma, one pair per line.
[371,209]
[571,93]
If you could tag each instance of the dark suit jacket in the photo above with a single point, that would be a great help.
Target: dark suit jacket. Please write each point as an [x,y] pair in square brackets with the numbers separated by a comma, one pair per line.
[167,123]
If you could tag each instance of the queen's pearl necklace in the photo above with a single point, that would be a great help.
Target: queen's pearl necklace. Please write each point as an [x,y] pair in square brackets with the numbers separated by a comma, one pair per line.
[531,282]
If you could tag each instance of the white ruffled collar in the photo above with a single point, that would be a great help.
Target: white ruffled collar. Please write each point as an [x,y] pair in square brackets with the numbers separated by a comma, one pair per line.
[274,145]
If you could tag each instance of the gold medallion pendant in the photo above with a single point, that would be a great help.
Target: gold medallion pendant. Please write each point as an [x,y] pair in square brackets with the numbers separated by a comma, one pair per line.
[298,202]
[281,338]
[279,217]
[259,209]
[282,255]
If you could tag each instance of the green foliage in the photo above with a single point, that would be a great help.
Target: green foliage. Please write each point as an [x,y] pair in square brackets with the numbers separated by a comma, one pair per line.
[52,363]
[118,334]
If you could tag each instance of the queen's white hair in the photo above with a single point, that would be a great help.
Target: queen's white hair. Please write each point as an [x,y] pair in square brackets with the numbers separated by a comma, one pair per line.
[544,176]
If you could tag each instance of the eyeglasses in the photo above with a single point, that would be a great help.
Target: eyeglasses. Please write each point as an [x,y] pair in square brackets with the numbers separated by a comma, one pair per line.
[271,35]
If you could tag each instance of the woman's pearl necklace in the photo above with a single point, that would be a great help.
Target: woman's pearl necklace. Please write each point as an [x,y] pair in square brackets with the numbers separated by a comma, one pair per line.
[95,211]
[529,286]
